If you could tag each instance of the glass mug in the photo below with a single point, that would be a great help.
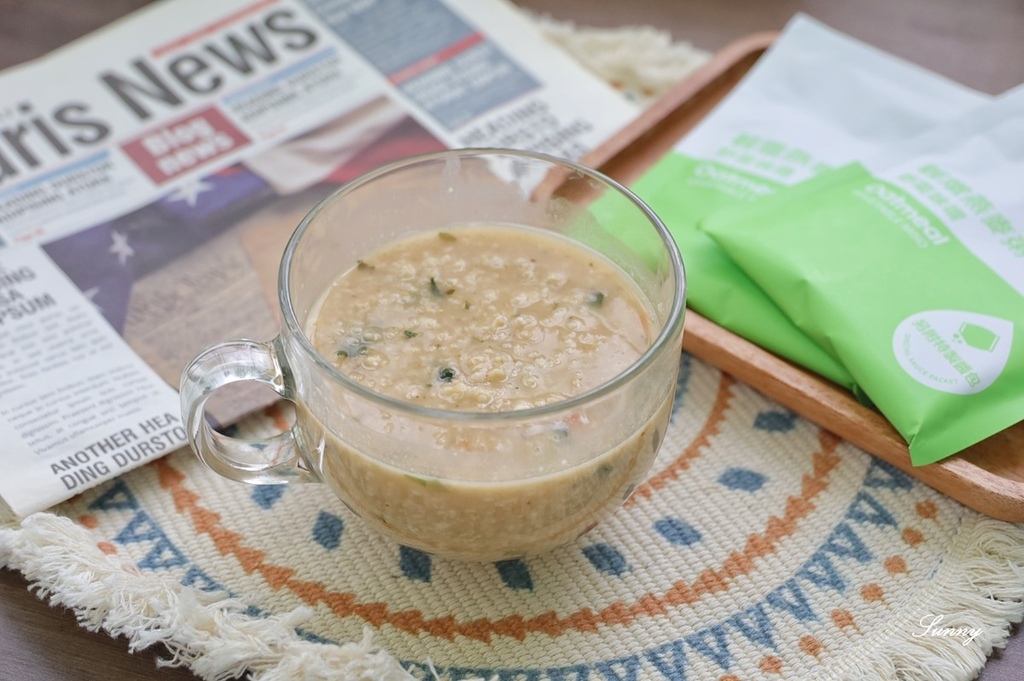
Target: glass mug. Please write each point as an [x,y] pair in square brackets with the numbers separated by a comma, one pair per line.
[514,485]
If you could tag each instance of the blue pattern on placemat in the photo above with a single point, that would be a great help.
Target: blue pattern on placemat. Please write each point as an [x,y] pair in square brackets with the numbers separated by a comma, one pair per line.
[821,571]
[515,574]
[606,558]
[742,479]
[414,564]
[884,475]
[712,642]
[327,530]
[776,421]
[790,598]
[162,554]
[677,532]
[266,496]
[196,577]
[117,497]
[866,508]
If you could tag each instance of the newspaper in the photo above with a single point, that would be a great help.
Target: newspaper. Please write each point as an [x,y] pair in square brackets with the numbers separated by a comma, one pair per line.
[151,173]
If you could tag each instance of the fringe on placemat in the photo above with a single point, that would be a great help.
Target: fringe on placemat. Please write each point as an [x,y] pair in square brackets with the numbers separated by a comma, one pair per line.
[978,594]
[641,61]
[8,518]
[980,588]
[211,634]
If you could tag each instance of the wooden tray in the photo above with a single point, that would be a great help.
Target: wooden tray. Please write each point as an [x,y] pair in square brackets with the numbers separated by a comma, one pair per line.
[988,477]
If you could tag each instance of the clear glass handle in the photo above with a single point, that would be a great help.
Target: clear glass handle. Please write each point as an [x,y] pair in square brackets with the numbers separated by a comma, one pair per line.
[273,460]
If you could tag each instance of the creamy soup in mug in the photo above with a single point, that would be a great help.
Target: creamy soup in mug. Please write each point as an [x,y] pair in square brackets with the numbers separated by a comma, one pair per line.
[486,319]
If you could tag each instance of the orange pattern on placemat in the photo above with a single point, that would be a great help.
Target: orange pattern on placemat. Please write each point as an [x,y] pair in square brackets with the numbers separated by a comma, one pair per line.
[895,565]
[912,537]
[843,619]
[711,427]
[413,622]
[810,645]
[926,509]
[873,593]
[771,664]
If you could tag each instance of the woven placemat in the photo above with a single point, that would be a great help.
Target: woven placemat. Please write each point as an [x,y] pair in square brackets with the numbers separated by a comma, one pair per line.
[761,546]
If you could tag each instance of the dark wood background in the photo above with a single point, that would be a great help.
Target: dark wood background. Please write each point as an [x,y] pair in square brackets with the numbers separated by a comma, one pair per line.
[979,43]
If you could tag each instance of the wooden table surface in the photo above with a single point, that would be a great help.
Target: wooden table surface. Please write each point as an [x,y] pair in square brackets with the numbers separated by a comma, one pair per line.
[979,43]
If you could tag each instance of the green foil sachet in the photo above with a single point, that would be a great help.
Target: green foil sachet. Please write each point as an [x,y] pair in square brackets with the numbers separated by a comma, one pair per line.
[817,99]
[908,269]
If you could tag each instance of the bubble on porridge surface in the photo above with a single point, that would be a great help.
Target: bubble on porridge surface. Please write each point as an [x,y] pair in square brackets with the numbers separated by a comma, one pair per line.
[556,280]
[374,359]
[524,321]
[527,268]
[557,316]
[525,298]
